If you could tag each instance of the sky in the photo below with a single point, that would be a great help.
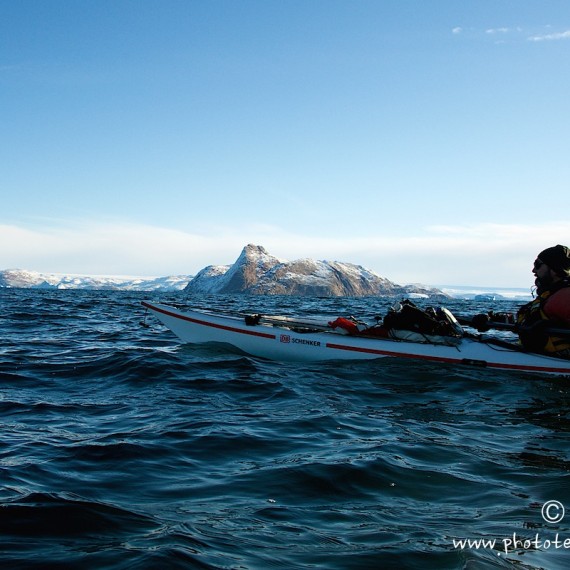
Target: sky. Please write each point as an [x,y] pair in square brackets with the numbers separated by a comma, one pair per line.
[425,140]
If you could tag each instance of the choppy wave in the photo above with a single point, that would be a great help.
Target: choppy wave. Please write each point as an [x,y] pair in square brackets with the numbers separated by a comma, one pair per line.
[120,448]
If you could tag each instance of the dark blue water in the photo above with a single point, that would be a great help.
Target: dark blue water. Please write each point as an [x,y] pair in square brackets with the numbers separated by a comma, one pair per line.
[120,448]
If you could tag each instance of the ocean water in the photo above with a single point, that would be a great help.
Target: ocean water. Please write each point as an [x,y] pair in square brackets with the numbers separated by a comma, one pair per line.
[121,448]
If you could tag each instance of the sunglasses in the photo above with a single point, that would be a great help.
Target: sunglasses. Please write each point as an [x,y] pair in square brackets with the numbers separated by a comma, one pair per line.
[538,264]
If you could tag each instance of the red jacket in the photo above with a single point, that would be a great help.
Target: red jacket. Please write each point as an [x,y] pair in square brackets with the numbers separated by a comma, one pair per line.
[557,306]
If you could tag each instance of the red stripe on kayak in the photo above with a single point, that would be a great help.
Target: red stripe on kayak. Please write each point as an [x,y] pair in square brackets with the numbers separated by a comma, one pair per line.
[521,367]
[207,323]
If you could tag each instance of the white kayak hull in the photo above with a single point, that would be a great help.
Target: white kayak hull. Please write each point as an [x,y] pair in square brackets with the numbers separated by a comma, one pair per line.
[284,344]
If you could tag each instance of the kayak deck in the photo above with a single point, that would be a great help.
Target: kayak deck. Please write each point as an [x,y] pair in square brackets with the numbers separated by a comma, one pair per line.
[282,342]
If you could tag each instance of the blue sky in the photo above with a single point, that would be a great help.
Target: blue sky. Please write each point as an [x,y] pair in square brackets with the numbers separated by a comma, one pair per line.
[425,140]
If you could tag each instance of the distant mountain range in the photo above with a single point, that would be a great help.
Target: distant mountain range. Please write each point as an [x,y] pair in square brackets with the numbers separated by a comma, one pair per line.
[255,272]
[18,278]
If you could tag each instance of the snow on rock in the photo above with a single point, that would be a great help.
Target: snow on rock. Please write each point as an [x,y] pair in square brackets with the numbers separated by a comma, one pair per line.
[256,272]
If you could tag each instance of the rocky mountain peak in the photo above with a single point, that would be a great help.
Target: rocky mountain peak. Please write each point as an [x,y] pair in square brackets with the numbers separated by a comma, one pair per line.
[259,273]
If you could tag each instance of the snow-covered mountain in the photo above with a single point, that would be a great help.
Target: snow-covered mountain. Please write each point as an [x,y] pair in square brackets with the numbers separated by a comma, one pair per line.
[256,272]
[488,293]
[19,278]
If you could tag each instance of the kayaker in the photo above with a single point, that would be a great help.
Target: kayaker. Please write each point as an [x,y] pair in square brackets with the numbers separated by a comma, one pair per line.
[551,307]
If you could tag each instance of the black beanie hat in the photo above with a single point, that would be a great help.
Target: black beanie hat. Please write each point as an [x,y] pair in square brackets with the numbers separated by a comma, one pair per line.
[557,258]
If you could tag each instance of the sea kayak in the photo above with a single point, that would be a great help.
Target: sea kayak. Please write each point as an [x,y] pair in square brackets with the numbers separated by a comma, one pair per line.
[304,340]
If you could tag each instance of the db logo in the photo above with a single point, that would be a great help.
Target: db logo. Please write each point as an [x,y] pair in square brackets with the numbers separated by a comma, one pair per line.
[285,338]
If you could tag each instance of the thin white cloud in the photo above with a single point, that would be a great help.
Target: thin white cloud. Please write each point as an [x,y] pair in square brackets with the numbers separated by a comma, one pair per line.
[498,31]
[504,33]
[551,37]
[110,248]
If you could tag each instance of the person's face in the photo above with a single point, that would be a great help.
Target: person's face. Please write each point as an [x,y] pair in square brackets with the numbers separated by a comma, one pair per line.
[544,276]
